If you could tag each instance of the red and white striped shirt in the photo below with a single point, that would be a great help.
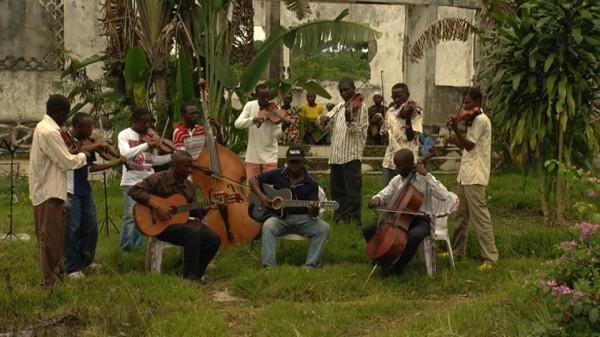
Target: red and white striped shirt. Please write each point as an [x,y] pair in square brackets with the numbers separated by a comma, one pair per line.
[190,140]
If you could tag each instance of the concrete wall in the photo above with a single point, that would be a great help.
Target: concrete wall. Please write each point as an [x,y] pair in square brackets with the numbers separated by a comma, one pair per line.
[434,82]
[24,93]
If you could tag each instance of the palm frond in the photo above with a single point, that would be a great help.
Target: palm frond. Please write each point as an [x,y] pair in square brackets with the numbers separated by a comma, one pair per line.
[446,29]
[300,7]
[316,34]
[155,29]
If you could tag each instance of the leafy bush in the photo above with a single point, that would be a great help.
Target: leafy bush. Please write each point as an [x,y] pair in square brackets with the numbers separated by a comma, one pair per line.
[572,285]
[329,66]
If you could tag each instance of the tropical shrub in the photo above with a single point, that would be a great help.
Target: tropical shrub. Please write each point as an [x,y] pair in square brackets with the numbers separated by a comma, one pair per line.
[542,72]
[572,285]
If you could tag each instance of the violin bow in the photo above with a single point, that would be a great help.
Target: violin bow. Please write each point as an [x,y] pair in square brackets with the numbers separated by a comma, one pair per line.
[382,91]
[162,137]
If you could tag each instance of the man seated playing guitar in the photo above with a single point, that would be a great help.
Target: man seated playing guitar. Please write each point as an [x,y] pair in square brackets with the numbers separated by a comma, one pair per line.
[199,242]
[296,220]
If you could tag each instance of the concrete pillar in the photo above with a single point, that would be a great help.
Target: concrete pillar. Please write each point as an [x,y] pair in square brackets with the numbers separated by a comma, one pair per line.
[420,77]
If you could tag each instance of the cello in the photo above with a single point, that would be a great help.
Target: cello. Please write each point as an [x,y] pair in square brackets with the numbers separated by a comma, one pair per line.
[389,241]
[231,222]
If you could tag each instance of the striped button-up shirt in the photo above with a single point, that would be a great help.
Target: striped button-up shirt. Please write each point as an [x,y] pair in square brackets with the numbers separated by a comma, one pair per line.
[348,138]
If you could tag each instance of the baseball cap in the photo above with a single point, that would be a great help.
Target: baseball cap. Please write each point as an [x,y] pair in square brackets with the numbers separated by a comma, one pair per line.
[294,152]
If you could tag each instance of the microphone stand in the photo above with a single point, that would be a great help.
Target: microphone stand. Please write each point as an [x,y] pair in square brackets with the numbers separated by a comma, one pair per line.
[107,219]
[10,235]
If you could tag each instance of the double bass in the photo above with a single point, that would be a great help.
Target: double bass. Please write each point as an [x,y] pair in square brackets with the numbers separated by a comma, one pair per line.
[389,241]
[226,173]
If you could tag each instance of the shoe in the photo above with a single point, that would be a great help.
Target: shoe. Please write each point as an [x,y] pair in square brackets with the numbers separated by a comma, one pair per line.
[95,266]
[485,266]
[76,275]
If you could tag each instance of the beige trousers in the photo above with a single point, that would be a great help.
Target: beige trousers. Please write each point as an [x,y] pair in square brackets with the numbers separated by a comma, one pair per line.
[473,211]
[49,218]
[252,169]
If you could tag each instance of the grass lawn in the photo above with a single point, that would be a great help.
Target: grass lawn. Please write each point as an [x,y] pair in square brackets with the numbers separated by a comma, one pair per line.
[122,299]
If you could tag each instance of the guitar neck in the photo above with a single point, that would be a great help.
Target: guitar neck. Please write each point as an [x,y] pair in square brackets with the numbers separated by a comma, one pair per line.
[194,205]
[302,203]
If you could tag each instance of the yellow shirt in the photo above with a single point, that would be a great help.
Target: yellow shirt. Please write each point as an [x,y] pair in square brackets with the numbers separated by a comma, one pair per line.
[49,161]
[311,113]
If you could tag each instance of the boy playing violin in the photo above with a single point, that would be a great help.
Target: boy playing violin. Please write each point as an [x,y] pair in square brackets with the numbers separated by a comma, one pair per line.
[141,157]
[473,177]
[348,122]
[419,228]
[81,232]
[263,147]
[403,124]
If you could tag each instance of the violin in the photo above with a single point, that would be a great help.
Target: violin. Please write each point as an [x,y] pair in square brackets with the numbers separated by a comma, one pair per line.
[271,112]
[353,106]
[109,153]
[410,108]
[73,144]
[466,116]
[164,145]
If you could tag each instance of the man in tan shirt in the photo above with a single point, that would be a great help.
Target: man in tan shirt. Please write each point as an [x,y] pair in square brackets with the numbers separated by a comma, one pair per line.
[473,178]
[49,161]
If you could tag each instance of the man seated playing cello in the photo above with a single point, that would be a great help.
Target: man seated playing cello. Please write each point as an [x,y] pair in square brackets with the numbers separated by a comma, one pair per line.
[199,242]
[419,228]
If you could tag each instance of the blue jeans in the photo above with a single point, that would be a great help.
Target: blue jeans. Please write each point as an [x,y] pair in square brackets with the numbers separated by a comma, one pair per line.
[81,232]
[131,238]
[314,228]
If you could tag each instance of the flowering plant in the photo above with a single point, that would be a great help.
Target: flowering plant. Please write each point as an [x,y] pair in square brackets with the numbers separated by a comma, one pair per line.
[573,282]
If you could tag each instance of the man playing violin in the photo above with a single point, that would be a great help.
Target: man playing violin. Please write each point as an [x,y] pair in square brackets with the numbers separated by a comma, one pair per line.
[403,123]
[473,177]
[419,228]
[141,157]
[49,161]
[348,122]
[199,242]
[263,134]
[191,136]
[302,221]
[81,232]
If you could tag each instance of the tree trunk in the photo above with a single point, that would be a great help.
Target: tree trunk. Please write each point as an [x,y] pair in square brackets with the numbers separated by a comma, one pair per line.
[161,96]
[546,200]
[559,192]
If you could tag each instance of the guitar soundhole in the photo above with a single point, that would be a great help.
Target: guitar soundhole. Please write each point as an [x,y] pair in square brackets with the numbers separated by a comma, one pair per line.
[277,203]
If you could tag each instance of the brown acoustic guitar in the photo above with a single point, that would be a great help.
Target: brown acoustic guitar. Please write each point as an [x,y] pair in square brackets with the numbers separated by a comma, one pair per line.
[149,222]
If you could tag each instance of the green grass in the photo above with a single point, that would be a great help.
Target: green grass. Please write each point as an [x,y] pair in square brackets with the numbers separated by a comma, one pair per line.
[123,299]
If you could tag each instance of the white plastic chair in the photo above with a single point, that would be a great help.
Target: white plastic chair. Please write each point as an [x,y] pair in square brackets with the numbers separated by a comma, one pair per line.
[154,254]
[440,232]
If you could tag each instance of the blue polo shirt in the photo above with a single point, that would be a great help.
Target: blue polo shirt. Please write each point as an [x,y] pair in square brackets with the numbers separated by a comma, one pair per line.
[307,189]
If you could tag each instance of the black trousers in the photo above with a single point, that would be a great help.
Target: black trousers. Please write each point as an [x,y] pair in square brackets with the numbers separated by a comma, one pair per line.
[199,242]
[417,231]
[346,185]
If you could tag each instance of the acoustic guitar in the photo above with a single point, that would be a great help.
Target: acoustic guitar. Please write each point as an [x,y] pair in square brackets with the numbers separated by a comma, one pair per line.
[149,222]
[282,199]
